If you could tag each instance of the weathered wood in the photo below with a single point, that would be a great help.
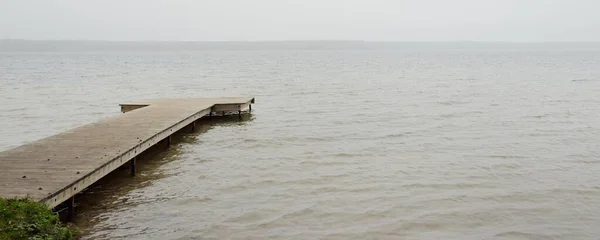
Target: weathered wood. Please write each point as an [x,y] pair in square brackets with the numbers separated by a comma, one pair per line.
[54,169]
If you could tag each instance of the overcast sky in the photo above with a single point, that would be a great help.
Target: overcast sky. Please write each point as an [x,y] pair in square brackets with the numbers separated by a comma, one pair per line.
[248,20]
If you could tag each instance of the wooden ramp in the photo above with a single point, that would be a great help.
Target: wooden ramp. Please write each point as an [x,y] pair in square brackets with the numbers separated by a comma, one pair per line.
[52,170]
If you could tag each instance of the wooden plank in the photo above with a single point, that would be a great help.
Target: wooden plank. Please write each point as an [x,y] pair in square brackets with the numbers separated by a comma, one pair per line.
[55,168]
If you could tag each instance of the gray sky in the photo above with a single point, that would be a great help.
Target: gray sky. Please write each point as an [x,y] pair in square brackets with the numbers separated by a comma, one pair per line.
[248,20]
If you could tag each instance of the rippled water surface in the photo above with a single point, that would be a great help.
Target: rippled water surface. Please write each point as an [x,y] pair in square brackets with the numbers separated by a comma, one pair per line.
[343,144]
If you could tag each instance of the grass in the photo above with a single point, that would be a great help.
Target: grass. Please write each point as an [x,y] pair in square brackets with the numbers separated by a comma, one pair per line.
[27,219]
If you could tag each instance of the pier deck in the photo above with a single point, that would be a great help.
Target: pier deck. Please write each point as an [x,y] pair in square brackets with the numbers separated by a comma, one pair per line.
[52,170]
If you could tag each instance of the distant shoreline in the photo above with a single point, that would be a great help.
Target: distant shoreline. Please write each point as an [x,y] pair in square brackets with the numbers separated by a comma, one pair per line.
[23,45]
[293,41]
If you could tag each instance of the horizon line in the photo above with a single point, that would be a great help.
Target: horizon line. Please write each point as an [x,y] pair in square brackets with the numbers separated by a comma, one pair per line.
[282,41]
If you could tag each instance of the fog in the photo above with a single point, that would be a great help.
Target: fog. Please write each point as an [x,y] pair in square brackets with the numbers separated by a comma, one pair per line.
[268,20]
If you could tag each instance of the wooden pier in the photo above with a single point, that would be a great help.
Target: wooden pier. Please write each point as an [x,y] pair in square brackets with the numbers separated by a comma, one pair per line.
[52,170]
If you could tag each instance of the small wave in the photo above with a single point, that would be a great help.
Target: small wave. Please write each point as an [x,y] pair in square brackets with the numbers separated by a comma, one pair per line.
[443,185]
[394,135]
[537,116]
[306,139]
[246,217]
[265,182]
[540,134]
[451,115]
[585,80]
[505,166]
[421,226]
[105,75]
[334,189]
[317,180]
[527,235]
[450,103]
[574,192]
[589,160]
[296,213]
[189,200]
[505,156]
[349,155]
[303,93]
[468,79]
[326,190]
[201,160]
[497,156]
[323,163]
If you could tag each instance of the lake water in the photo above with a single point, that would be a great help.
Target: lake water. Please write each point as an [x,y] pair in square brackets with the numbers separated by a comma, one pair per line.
[384,143]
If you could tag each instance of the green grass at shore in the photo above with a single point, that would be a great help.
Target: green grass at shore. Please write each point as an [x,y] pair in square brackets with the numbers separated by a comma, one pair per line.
[27,219]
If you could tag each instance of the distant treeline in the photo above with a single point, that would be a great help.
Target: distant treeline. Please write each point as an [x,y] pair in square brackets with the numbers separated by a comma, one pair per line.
[15,45]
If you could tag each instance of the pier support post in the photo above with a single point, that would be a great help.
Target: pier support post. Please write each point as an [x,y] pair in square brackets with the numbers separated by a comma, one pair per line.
[168,141]
[70,208]
[193,126]
[240,114]
[132,163]
[250,108]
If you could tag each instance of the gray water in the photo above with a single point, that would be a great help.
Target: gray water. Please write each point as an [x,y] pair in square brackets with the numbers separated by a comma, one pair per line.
[441,143]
